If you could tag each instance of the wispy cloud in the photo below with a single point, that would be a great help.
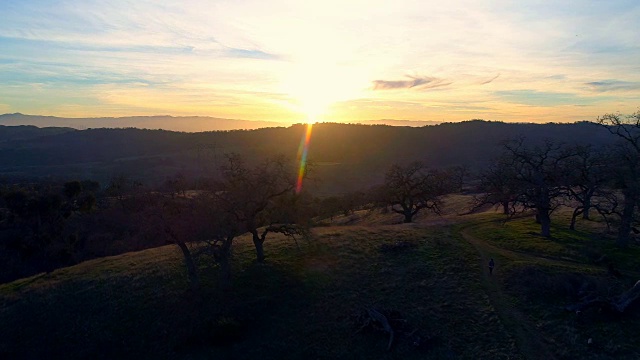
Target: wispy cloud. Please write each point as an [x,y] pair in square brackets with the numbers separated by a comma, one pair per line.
[250,54]
[184,56]
[64,73]
[212,47]
[543,98]
[613,85]
[490,80]
[424,82]
[14,43]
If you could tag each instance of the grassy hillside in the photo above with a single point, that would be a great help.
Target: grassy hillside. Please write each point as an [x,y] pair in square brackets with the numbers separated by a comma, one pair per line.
[309,302]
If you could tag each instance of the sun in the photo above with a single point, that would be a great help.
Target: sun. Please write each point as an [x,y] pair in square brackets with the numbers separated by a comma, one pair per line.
[312,100]
[316,86]
[314,106]
[311,118]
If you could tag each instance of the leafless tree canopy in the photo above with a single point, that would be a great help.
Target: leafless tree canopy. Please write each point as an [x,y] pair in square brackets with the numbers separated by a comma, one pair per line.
[412,188]
[627,161]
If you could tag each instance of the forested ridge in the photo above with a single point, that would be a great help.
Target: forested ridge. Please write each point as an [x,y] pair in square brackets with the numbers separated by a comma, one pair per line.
[347,155]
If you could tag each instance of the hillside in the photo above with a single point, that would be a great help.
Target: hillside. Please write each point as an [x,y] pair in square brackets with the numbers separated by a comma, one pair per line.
[346,157]
[308,302]
[24,132]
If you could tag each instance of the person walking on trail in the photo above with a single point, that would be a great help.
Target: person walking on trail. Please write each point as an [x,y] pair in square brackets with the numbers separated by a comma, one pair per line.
[492,264]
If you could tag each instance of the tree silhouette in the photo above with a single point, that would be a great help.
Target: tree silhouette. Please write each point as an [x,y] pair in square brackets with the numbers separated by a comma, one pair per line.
[248,194]
[538,171]
[498,186]
[627,164]
[195,222]
[588,177]
[412,188]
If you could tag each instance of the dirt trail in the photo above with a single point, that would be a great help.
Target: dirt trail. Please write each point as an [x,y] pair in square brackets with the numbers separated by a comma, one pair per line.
[529,341]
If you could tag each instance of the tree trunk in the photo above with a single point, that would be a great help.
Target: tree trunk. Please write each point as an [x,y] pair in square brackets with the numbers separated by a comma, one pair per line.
[505,207]
[225,264]
[192,270]
[625,221]
[408,217]
[576,212]
[259,244]
[543,210]
[259,250]
[587,207]
[545,223]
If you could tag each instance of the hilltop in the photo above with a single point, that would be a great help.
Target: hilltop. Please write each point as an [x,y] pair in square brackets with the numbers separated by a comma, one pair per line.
[307,302]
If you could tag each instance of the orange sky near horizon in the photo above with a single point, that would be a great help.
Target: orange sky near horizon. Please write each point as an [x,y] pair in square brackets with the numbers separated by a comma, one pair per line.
[288,61]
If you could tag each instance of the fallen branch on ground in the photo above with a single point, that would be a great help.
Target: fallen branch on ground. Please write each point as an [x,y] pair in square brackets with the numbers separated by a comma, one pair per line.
[618,304]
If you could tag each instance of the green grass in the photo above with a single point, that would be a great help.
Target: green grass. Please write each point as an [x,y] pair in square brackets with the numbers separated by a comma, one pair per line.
[320,288]
[87,309]
[543,291]
[542,276]
[304,302]
[584,245]
[300,304]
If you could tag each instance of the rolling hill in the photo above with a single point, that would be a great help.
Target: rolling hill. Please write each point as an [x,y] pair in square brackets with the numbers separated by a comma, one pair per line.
[429,278]
[347,157]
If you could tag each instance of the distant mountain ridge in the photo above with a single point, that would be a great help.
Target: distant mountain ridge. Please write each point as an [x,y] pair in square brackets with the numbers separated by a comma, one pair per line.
[393,122]
[172,123]
[165,122]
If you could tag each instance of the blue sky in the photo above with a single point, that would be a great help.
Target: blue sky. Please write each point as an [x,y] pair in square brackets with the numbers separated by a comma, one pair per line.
[332,60]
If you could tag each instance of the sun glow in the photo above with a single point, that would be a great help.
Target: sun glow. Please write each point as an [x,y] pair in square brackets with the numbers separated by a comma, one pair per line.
[312,118]
[316,85]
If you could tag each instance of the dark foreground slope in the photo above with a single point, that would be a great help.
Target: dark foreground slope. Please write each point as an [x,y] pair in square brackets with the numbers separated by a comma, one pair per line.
[307,302]
[346,157]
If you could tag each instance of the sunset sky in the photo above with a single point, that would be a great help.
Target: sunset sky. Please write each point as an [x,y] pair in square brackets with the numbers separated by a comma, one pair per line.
[332,60]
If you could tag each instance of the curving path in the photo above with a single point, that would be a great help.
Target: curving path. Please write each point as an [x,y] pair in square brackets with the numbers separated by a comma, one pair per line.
[528,340]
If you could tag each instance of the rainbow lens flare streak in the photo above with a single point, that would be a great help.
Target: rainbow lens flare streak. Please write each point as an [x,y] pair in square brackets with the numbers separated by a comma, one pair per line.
[302,155]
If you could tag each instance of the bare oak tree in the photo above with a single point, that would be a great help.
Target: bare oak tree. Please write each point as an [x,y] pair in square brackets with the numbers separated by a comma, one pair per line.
[538,171]
[412,188]
[498,186]
[195,224]
[587,182]
[248,194]
[627,161]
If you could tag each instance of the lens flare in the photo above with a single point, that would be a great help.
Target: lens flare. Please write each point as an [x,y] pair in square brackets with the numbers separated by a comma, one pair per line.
[303,150]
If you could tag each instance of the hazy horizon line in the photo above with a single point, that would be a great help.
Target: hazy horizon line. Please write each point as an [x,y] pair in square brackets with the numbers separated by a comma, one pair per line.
[281,121]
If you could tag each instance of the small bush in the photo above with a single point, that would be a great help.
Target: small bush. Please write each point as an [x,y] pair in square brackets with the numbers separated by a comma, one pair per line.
[535,284]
